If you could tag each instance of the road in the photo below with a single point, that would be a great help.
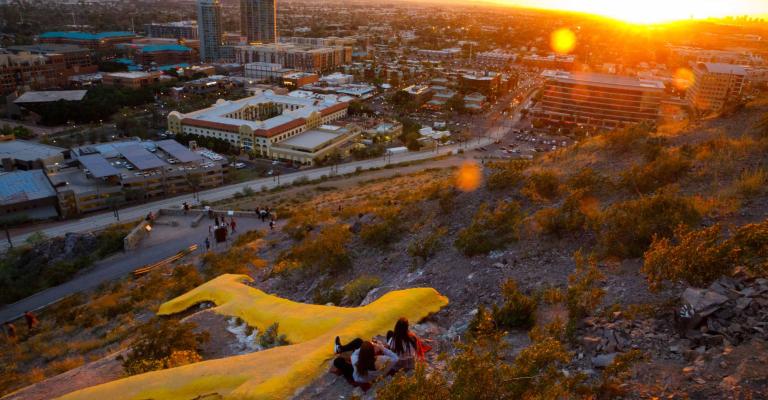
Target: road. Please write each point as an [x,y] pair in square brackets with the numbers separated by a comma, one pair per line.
[99,221]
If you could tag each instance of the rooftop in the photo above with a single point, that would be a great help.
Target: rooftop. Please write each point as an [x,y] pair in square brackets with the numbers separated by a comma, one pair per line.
[27,151]
[163,47]
[219,115]
[606,80]
[52,95]
[311,139]
[49,48]
[18,186]
[85,35]
[722,68]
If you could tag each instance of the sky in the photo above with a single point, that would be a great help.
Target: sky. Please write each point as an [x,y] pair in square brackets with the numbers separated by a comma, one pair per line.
[649,11]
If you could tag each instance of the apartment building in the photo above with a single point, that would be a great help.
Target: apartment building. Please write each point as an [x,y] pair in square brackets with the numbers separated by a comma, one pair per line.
[174,30]
[103,42]
[599,100]
[68,60]
[25,69]
[298,57]
[133,80]
[714,85]
[262,123]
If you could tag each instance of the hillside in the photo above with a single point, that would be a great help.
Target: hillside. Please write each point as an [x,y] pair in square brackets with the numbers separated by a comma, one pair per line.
[564,275]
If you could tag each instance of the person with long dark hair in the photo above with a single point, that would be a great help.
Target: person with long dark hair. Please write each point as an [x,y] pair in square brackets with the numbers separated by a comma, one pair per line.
[362,368]
[406,345]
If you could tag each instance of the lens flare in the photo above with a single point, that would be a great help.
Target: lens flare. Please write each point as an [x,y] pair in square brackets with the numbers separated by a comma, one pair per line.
[469,177]
[684,78]
[563,41]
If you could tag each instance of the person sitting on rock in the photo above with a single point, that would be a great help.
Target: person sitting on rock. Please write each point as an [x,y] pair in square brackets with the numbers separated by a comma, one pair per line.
[406,345]
[368,361]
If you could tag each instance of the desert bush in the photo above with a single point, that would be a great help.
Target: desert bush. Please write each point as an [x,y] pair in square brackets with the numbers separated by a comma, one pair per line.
[517,310]
[163,343]
[490,229]
[627,228]
[60,366]
[479,371]
[325,293]
[425,247]
[665,169]
[573,216]
[612,381]
[304,221]
[588,181]
[751,183]
[386,231]
[248,237]
[627,139]
[271,337]
[696,257]
[233,261]
[542,186]
[356,290]
[185,277]
[583,295]
[506,175]
[700,257]
[325,251]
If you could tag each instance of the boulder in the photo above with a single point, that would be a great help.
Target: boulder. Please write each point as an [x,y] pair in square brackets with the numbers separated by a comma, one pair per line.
[704,302]
[604,360]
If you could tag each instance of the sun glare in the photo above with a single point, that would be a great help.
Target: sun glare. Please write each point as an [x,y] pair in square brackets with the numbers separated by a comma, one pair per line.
[563,41]
[652,11]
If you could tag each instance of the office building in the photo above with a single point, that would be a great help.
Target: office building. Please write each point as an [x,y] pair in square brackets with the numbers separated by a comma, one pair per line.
[552,61]
[419,94]
[27,195]
[497,58]
[295,80]
[488,84]
[181,30]
[258,21]
[158,54]
[714,85]
[298,57]
[102,42]
[133,80]
[27,155]
[67,59]
[210,32]
[115,172]
[277,126]
[598,100]
[25,69]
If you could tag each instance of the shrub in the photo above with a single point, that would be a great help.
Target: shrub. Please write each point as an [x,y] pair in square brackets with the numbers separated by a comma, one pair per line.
[163,343]
[60,366]
[542,186]
[356,290]
[384,232]
[572,216]
[627,139]
[233,261]
[588,181]
[506,175]
[627,228]
[490,230]
[700,257]
[272,338]
[325,293]
[583,294]
[667,168]
[304,221]
[425,247]
[517,311]
[751,183]
[325,251]
[479,371]
[697,257]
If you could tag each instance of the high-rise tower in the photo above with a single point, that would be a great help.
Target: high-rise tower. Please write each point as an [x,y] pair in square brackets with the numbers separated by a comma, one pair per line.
[209,29]
[258,20]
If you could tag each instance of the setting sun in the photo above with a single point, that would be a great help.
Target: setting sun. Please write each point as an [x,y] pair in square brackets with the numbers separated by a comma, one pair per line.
[653,11]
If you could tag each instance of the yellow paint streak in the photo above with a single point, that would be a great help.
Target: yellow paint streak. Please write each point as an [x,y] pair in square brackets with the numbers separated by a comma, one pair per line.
[276,373]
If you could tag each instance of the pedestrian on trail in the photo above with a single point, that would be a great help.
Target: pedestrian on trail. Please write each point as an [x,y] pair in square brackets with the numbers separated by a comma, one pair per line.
[207,245]
[233,225]
[31,319]
[217,221]
[272,224]
[10,331]
[210,230]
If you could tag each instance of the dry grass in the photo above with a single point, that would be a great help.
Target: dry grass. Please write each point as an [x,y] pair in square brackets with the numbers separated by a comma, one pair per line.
[65,365]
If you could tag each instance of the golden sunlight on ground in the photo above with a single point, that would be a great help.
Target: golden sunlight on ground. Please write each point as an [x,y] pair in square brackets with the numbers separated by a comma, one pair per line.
[563,41]
[468,177]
